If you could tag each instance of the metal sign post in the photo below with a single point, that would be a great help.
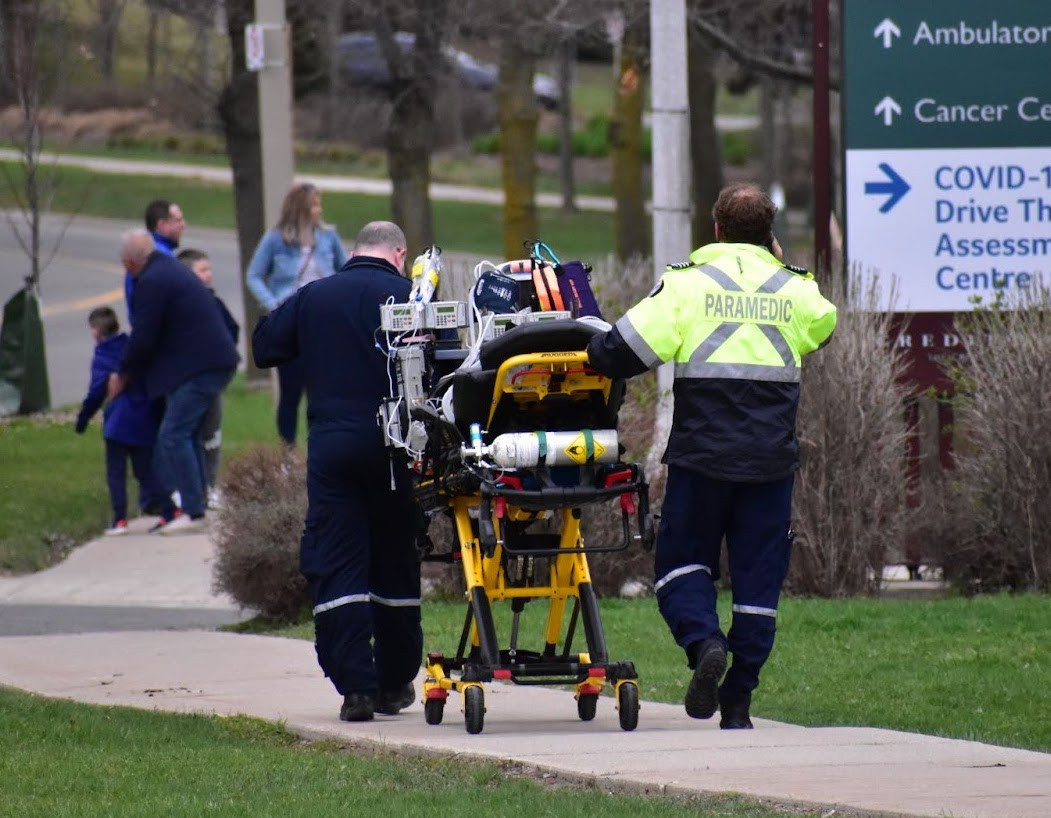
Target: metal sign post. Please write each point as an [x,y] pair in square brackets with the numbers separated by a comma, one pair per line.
[267,51]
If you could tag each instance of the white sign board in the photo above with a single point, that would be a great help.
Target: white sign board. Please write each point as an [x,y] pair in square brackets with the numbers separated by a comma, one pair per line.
[255,47]
[947,140]
[952,227]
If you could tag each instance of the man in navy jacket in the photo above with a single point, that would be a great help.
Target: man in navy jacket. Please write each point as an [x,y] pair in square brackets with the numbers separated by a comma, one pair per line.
[179,349]
[359,549]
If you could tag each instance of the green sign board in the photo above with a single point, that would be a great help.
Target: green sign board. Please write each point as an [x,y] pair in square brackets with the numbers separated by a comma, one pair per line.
[946,73]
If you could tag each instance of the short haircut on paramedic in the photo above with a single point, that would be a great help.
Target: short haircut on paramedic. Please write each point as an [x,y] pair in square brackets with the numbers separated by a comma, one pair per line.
[744,214]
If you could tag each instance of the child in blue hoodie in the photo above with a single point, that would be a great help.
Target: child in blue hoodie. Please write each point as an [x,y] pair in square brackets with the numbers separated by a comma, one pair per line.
[129,426]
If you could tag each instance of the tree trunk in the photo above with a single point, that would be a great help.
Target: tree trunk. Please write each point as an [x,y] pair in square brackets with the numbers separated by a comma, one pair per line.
[704,139]
[239,114]
[566,56]
[109,21]
[151,45]
[410,129]
[630,222]
[334,26]
[518,126]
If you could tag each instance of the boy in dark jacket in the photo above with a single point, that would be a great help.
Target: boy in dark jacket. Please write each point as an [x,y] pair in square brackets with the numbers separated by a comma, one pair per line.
[211,432]
[129,426]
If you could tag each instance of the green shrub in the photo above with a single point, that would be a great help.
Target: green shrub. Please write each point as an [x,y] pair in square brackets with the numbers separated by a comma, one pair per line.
[486,143]
[593,141]
[258,530]
[739,147]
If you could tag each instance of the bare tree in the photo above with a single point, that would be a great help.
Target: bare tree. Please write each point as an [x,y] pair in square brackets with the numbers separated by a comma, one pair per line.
[631,233]
[410,129]
[108,14]
[33,72]
[30,34]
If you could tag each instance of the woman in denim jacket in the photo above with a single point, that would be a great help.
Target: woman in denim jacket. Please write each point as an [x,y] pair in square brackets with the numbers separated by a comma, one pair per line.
[299,250]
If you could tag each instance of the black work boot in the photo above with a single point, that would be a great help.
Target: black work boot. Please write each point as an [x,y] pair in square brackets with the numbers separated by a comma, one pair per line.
[734,713]
[391,702]
[702,696]
[356,707]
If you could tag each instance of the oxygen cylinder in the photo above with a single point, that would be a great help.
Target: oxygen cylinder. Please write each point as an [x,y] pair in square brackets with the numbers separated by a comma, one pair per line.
[523,449]
[426,273]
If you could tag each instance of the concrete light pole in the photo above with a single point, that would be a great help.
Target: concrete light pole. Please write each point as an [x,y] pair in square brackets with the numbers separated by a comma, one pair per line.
[669,100]
[274,64]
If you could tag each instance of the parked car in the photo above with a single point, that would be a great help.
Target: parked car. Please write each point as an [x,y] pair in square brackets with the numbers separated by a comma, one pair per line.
[363,63]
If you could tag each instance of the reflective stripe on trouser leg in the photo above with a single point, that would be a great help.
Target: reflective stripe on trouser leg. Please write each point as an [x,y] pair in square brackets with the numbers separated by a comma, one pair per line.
[759,547]
[686,563]
[334,559]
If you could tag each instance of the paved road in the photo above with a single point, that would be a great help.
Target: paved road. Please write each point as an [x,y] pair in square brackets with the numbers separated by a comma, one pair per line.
[85,273]
[333,184]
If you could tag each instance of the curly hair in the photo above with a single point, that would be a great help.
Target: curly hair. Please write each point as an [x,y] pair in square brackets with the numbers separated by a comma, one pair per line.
[744,214]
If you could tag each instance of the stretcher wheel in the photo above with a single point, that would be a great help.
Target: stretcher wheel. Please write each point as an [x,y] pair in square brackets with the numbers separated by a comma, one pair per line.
[433,710]
[587,706]
[474,709]
[628,705]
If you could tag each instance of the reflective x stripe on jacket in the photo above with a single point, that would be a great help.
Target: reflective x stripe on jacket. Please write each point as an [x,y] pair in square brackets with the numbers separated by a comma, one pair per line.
[737,324]
[738,313]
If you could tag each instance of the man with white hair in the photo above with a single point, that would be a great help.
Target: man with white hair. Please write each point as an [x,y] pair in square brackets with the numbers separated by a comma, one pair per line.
[180,350]
[359,548]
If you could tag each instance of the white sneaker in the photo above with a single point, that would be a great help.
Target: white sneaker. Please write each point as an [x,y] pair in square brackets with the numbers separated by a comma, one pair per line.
[184,524]
[117,529]
[215,499]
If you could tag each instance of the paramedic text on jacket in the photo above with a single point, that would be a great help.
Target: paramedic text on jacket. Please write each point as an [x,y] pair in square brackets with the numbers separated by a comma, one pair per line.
[736,322]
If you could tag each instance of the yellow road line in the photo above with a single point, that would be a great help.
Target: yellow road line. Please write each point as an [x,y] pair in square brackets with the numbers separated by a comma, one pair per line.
[83,303]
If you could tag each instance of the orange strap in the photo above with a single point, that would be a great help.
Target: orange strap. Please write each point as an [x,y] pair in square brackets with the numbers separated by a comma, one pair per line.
[545,281]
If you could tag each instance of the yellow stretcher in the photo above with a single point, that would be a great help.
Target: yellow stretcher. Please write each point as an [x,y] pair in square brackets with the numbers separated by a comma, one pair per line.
[514,492]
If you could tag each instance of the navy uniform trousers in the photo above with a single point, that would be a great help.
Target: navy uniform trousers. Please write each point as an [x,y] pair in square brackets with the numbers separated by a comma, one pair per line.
[358,554]
[754,518]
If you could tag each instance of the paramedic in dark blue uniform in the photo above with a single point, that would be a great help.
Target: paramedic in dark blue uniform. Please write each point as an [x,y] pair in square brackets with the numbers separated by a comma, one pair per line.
[358,550]
[737,321]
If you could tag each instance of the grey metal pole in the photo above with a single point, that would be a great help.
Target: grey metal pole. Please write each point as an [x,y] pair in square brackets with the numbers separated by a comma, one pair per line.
[275,108]
[669,99]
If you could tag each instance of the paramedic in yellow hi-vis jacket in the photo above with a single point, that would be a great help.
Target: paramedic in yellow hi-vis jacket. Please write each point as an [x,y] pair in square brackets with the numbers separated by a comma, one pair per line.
[737,322]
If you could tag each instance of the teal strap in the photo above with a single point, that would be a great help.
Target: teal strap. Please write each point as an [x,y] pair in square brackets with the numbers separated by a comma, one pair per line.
[589,446]
[542,438]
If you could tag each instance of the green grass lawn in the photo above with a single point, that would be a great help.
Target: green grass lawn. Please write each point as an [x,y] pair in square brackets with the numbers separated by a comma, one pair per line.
[459,226]
[970,668]
[63,759]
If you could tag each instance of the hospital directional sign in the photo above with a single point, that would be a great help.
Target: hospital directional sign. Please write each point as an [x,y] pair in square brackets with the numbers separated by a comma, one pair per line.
[947,140]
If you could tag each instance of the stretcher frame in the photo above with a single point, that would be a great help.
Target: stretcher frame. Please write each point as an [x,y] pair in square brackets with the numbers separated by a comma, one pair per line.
[500,564]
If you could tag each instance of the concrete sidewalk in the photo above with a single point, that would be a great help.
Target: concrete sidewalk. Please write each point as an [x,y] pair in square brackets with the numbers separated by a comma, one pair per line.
[857,769]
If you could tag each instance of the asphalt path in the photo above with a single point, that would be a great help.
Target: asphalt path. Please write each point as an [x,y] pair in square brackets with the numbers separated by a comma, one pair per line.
[84,272]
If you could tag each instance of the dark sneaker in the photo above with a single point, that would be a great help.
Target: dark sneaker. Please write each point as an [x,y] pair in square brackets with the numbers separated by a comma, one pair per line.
[356,707]
[702,696]
[392,702]
[734,713]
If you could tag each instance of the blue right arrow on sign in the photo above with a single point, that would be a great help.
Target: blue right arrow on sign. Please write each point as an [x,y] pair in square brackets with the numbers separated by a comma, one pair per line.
[895,187]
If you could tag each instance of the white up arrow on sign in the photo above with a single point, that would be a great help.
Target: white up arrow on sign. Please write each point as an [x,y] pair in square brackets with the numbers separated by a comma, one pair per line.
[887,108]
[888,31]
